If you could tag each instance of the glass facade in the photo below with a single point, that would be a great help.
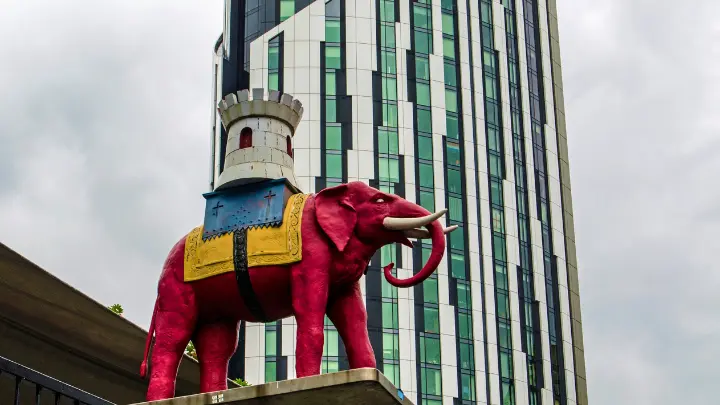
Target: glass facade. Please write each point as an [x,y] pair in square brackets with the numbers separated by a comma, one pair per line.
[538,120]
[529,322]
[448,95]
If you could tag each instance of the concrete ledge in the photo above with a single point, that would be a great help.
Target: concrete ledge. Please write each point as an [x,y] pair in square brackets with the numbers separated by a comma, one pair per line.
[352,387]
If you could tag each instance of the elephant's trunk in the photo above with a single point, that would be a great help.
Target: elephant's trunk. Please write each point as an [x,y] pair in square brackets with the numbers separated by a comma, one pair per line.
[438,249]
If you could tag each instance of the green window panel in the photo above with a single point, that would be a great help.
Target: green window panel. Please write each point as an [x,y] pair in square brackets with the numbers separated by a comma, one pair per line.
[454,179]
[503,306]
[455,206]
[504,335]
[498,220]
[508,393]
[332,30]
[390,115]
[391,346]
[388,62]
[496,192]
[330,83]
[333,137]
[330,366]
[448,24]
[488,60]
[490,87]
[453,153]
[431,402]
[388,170]
[493,135]
[388,253]
[457,240]
[426,175]
[287,9]
[389,88]
[387,11]
[270,343]
[422,68]
[532,373]
[429,350]
[463,296]
[425,253]
[447,4]
[274,81]
[424,118]
[506,367]
[333,165]
[274,54]
[457,264]
[425,148]
[464,326]
[392,372]
[501,280]
[499,247]
[430,290]
[423,94]
[270,371]
[423,42]
[332,183]
[486,12]
[450,74]
[449,48]
[388,291]
[467,357]
[333,59]
[432,320]
[331,343]
[427,201]
[387,142]
[431,381]
[467,387]
[451,101]
[387,36]
[453,126]
[331,110]
[423,17]
[389,315]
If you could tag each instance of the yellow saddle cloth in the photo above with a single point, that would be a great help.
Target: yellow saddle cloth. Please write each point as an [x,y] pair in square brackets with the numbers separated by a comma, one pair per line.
[265,246]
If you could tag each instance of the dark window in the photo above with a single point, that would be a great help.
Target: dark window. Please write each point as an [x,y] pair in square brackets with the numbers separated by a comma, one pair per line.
[246,138]
[289,146]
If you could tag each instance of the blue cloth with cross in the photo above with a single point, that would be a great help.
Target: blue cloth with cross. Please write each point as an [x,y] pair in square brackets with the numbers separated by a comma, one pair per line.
[247,206]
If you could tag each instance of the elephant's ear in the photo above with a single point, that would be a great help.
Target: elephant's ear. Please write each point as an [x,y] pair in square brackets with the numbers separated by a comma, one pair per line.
[336,214]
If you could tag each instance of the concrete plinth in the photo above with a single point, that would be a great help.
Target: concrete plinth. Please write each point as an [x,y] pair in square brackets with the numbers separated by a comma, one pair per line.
[353,387]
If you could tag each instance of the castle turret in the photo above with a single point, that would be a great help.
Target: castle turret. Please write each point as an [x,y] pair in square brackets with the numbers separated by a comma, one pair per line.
[260,130]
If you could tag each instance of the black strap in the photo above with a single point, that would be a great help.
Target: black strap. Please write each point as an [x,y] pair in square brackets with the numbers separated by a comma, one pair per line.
[242,275]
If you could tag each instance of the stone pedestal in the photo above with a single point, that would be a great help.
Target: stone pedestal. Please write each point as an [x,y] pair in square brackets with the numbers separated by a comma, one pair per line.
[353,387]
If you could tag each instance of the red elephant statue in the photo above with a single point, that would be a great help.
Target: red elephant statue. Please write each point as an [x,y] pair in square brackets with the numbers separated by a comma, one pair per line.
[342,228]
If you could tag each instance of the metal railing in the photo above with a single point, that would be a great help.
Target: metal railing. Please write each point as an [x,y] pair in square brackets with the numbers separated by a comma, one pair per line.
[61,393]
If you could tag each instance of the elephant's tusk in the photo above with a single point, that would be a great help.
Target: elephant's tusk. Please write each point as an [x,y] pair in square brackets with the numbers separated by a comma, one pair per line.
[424,234]
[406,224]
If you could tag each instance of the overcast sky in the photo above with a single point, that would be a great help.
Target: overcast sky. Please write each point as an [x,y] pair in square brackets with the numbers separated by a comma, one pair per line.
[104,154]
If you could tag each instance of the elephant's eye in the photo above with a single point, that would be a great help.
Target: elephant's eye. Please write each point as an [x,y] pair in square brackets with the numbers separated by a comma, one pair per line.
[379,200]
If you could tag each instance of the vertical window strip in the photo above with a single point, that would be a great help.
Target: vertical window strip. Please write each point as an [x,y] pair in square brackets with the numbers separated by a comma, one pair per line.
[427,311]
[454,195]
[332,144]
[531,345]
[287,9]
[275,65]
[496,174]
[388,176]
[271,351]
[537,119]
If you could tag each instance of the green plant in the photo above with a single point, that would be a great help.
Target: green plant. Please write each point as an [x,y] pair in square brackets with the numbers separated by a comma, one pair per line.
[116,308]
[190,350]
[239,381]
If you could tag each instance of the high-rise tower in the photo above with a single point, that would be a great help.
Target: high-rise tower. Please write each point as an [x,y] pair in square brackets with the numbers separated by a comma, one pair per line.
[453,104]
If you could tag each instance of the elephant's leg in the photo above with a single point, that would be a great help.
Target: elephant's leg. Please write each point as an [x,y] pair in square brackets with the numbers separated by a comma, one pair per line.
[216,343]
[174,324]
[309,297]
[347,312]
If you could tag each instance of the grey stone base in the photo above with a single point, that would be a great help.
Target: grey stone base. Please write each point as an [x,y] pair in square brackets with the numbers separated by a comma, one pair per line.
[353,387]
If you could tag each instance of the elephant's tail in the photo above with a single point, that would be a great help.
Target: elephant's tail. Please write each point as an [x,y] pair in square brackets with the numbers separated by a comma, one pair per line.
[143,365]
